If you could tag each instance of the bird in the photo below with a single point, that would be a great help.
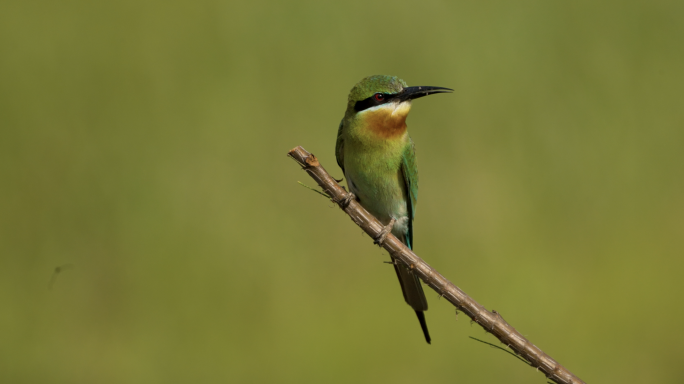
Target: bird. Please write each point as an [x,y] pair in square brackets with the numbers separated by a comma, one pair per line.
[378,160]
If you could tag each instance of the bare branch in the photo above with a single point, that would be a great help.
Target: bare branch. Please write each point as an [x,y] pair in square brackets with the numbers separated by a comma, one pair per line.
[491,322]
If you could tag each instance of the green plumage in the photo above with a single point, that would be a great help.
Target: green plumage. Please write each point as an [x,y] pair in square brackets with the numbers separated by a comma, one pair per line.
[374,84]
[378,159]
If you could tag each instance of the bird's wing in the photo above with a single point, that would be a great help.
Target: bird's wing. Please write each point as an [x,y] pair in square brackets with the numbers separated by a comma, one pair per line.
[410,172]
[410,284]
[339,147]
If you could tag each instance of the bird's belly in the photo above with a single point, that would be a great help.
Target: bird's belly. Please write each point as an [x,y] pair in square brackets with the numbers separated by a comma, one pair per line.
[382,193]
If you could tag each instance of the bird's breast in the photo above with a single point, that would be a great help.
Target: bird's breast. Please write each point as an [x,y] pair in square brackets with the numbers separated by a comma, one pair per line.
[375,178]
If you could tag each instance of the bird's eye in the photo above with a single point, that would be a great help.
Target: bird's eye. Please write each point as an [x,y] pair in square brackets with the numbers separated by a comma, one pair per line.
[379,97]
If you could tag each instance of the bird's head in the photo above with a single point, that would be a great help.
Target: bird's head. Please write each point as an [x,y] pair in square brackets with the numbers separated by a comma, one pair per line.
[381,103]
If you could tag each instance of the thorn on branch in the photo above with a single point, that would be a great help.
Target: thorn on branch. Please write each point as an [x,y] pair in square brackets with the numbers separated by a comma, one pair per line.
[498,315]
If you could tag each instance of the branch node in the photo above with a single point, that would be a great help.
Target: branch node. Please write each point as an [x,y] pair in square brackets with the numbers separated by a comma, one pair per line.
[312,161]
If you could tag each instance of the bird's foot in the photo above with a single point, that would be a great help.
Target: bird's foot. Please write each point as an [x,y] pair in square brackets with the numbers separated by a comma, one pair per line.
[346,200]
[385,231]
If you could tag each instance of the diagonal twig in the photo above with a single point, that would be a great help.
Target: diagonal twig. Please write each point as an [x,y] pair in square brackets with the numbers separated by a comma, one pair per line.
[491,322]
[314,189]
[503,349]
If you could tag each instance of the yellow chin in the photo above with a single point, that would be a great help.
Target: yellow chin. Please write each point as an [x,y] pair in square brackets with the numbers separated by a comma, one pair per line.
[401,110]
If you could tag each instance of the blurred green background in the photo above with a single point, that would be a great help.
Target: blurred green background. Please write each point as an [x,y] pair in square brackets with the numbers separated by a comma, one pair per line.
[143,151]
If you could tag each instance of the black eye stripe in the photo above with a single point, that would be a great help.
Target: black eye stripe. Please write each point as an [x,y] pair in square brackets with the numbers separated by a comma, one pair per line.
[372,102]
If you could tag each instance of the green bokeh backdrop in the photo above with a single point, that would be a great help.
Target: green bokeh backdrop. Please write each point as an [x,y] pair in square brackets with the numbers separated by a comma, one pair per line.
[142,146]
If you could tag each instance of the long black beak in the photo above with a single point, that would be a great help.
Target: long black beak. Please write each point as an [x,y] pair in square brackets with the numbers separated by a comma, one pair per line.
[410,93]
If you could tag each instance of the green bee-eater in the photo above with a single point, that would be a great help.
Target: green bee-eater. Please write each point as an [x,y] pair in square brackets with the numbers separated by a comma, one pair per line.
[378,159]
